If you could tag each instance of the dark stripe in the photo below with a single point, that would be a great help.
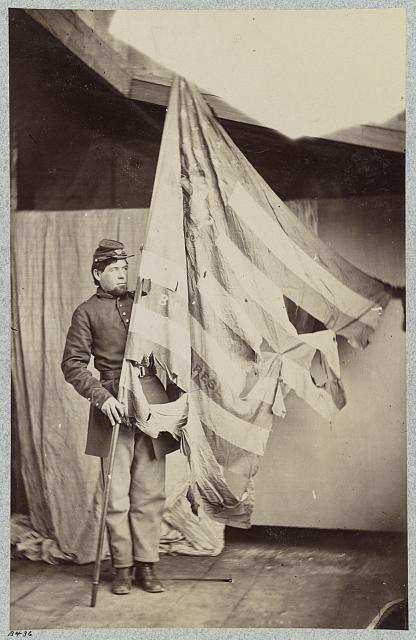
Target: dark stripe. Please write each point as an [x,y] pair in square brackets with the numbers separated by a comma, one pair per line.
[297,290]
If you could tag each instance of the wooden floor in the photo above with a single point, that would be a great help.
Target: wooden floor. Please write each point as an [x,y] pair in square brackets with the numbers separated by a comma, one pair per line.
[281,578]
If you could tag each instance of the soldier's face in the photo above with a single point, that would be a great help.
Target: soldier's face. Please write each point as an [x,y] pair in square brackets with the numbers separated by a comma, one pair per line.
[114,278]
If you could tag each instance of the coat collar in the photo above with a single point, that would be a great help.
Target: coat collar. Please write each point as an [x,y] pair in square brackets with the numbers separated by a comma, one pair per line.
[103,294]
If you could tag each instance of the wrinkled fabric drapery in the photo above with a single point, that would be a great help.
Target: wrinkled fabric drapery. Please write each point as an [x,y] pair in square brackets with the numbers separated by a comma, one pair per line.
[50,258]
[25,542]
[222,254]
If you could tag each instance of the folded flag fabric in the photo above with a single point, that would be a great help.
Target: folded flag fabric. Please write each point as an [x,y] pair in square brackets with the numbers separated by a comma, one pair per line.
[223,254]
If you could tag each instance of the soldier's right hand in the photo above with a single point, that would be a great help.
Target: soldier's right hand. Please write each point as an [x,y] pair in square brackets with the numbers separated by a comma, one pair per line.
[113,409]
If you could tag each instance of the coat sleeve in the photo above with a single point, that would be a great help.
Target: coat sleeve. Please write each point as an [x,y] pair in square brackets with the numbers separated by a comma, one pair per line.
[76,358]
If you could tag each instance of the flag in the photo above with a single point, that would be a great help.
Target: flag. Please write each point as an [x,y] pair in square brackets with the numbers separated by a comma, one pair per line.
[222,255]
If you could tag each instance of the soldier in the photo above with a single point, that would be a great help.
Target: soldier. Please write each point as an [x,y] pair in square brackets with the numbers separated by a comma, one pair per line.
[137,495]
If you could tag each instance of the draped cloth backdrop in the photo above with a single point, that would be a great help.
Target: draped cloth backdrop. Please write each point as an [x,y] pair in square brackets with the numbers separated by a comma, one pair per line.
[50,256]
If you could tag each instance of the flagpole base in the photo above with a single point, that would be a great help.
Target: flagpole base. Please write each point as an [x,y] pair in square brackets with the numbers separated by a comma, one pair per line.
[94,594]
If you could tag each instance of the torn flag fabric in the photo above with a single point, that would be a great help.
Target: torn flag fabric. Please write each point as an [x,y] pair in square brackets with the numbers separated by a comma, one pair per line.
[222,255]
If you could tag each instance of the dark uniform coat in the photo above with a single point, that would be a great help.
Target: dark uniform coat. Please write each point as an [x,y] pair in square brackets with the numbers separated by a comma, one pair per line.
[99,328]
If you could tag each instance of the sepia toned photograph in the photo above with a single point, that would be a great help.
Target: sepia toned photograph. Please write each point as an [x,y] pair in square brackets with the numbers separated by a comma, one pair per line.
[208,320]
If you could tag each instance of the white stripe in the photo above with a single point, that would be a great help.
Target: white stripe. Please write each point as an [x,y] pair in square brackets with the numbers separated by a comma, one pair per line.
[294,258]
[161,330]
[267,295]
[163,271]
[230,311]
[264,390]
[299,379]
[217,358]
[242,434]
[326,342]
[259,287]
[303,349]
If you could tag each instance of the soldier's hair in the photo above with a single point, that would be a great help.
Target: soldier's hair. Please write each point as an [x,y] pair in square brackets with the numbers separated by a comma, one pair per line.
[100,266]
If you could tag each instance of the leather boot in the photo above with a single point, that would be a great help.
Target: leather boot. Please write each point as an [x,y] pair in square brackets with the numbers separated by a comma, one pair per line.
[146,578]
[122,581]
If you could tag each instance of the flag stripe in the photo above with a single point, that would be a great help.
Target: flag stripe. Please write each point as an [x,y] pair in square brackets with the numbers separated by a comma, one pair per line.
[299,291]
[164,271]
[233,162]
[299,379]
[264,293]
[299,262]
[292,344]
[161,330]
[230,311]
[264,390]
[243,434]
[259,286]
[164,302]
[220,392]
[326,343]
[237,459]
[237,349]
[217,357]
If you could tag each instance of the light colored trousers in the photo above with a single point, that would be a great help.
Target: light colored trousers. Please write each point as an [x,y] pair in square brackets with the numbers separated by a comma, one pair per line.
[137,493]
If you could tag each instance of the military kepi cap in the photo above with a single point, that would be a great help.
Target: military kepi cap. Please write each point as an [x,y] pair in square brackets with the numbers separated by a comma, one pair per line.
[110,249]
